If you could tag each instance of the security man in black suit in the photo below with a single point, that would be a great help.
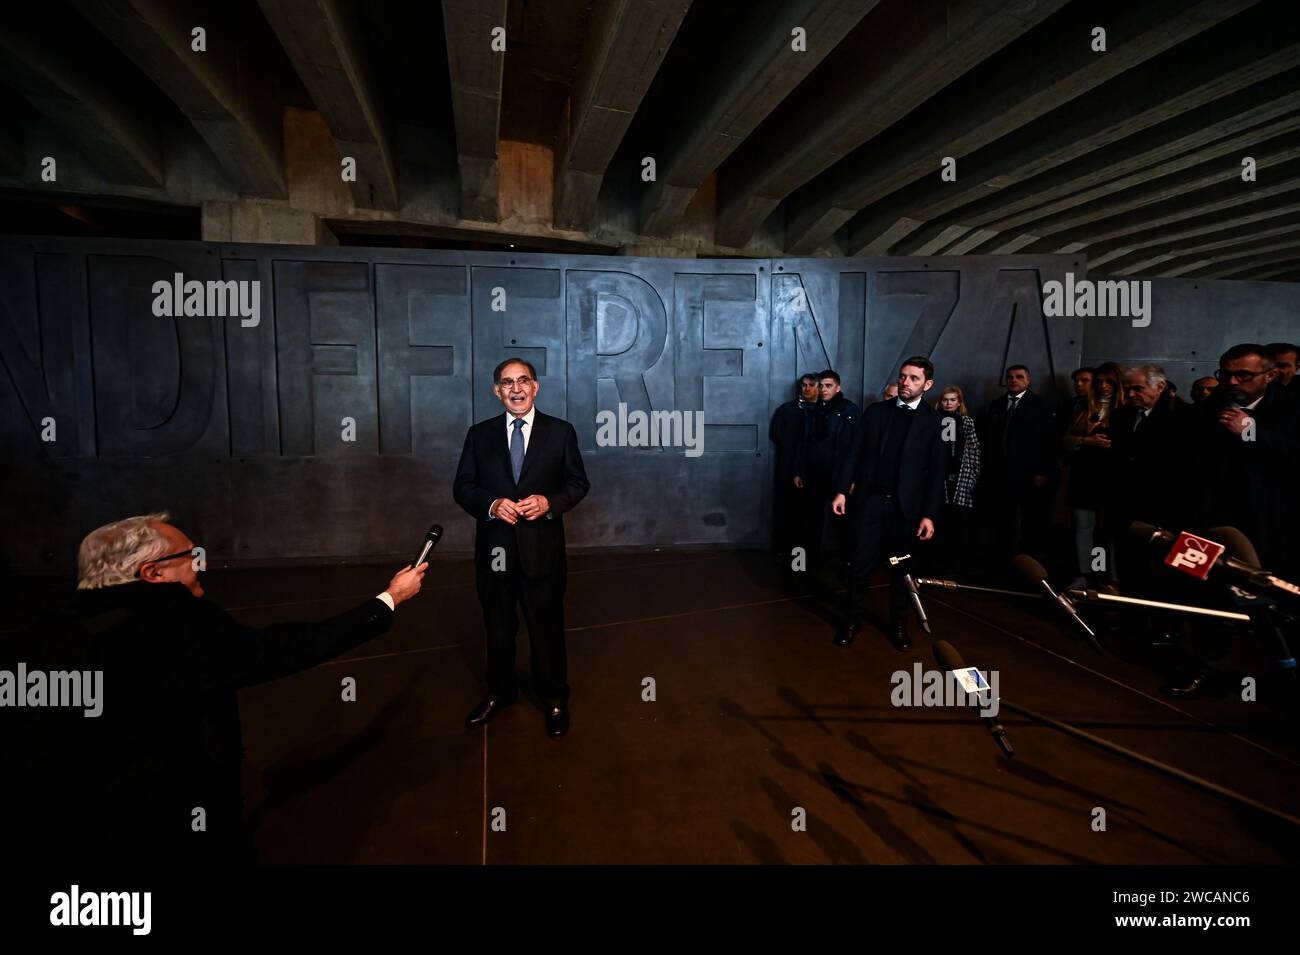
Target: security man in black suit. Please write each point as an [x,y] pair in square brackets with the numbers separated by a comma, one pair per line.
[826,444]
[895,472]
[519,473]
[790,424]
[1018,441]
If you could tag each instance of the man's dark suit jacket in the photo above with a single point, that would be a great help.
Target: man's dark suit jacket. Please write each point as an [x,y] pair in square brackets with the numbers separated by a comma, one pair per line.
[1031,443]
[921,470]
[552,468]
[828,440]
[1250,485]
[789,425]
[169,738]
[1149,479]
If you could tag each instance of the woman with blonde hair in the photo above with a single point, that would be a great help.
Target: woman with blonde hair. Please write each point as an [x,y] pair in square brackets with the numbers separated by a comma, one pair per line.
[1088,453]
[963,473]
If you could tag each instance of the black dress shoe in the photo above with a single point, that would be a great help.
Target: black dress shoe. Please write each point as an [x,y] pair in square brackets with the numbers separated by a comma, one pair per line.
[557,721]
[489,708]
[898,635]
[845,636]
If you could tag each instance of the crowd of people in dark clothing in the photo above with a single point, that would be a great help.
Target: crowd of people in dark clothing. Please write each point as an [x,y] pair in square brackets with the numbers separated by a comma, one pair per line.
[918,475]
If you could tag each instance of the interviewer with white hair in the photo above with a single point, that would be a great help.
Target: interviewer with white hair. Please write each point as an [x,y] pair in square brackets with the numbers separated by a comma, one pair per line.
[157,773]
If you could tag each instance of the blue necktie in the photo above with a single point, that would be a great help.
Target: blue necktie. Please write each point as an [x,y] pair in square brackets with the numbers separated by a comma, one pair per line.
[517,449]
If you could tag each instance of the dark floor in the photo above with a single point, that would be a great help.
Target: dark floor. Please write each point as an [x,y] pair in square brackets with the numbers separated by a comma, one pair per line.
[756,714]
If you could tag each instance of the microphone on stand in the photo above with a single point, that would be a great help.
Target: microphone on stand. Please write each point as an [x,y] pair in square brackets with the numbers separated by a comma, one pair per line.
[1202,557]
[949,659]
[1033,571]
[915,593]
[916,602]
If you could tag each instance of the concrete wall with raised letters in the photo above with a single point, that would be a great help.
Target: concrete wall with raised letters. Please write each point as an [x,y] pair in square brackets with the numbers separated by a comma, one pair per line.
[239,430]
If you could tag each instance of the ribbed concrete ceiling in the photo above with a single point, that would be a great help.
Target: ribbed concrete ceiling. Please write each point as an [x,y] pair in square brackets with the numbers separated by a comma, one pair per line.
[1132,155]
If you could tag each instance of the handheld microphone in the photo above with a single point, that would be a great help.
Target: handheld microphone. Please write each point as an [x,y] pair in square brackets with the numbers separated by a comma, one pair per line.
[430,542]
[1247,575]
[950,660]
[1033,571]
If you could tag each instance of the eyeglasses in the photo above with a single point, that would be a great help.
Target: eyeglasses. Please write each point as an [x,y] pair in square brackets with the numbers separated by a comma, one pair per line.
[523,380]
[160,560]
[1223,374]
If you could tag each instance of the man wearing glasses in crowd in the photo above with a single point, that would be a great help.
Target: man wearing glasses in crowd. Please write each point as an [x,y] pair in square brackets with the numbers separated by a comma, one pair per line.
[1250,454]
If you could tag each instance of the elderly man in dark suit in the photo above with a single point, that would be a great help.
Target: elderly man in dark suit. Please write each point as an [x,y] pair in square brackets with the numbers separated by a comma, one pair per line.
[157,773]
[895,472]
[519,473]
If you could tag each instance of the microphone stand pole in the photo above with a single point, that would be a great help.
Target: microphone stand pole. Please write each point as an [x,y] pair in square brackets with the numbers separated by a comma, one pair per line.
[953,585]
[1147,761]
[1102,599]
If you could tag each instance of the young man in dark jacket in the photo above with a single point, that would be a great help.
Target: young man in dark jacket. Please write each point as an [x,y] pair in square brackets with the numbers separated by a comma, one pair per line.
[894,472]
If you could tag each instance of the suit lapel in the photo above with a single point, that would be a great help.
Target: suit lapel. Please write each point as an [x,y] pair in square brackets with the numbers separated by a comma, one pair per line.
[501,442]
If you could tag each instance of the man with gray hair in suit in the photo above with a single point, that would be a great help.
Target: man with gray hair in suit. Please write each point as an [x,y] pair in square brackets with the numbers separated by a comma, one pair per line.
[157,773]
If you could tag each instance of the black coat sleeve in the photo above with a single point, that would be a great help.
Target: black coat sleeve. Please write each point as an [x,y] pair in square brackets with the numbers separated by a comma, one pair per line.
[217,652]
[846,464]
[575,485]
[467,489]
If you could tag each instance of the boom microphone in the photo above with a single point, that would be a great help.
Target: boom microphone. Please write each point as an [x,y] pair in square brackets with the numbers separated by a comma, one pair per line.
[950,660]
[1225,567]
[430,542]
[1033,571]
[1238,544]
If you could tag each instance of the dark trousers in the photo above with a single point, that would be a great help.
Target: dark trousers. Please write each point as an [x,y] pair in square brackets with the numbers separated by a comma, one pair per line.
[956,539]
[542,600]
[882,531]
[1016,520]
[785,517]
[811,504]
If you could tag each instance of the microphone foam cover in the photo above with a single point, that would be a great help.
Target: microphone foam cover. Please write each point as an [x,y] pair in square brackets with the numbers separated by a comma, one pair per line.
[1143,531]
[1028,567]
[1237,543]
[947,656]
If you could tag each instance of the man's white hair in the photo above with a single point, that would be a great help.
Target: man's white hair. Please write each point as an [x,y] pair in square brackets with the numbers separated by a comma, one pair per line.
[112,554]
[1155,375]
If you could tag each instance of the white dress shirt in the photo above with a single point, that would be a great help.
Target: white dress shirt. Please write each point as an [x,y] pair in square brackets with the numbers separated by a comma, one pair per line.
[908,404]
[527,429]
